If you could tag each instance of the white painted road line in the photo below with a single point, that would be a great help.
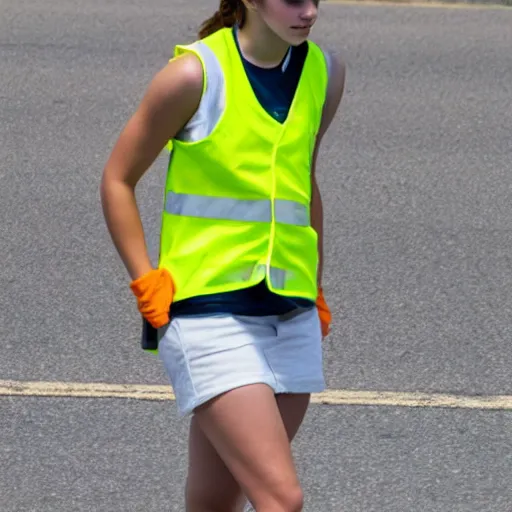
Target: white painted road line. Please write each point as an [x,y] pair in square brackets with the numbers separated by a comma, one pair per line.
[330,397]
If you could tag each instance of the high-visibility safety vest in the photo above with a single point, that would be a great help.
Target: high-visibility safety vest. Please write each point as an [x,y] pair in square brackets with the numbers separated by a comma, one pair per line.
[237,202]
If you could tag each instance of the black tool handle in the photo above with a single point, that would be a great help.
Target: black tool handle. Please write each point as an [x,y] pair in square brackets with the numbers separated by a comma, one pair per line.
[149,339]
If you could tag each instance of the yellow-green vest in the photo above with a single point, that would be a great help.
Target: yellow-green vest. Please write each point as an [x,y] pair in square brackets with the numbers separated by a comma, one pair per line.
[237,203]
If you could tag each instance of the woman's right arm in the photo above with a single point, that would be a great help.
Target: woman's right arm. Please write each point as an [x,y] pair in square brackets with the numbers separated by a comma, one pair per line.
[172,98]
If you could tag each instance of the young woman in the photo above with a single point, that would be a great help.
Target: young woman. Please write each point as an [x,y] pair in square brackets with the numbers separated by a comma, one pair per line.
[238,284]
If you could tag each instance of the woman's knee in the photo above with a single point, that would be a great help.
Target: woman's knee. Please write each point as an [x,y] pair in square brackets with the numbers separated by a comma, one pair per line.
[293,499]
[285,499]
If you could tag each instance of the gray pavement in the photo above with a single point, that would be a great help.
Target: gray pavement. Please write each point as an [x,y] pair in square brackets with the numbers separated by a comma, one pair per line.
[95,455]
[415,175]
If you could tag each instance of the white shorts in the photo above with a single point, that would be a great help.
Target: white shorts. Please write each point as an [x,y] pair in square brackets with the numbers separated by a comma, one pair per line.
[205,356]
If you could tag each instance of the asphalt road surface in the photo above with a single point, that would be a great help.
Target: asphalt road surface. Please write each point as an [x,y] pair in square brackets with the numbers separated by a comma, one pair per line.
[415,175]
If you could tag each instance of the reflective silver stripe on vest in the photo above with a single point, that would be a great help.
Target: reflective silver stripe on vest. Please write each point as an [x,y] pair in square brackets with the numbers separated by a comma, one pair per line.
[259,210]
[290,212]
[257,273]
[277,276]
[190,205]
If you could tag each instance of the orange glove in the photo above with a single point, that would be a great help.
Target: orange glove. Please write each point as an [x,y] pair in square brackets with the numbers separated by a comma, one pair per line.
[324,313]
[154,292]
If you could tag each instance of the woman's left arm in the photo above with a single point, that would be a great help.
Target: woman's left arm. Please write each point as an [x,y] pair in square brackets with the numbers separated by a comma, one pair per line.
[333,99]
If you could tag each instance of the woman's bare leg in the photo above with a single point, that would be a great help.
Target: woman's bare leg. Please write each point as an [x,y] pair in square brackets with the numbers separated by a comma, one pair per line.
[246,429]
[210,485]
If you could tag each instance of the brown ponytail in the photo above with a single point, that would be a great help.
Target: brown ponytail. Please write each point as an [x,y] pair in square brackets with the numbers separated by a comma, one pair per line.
[229,13]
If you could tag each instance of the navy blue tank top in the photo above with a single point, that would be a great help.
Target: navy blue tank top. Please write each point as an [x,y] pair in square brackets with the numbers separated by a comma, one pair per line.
[275,89]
